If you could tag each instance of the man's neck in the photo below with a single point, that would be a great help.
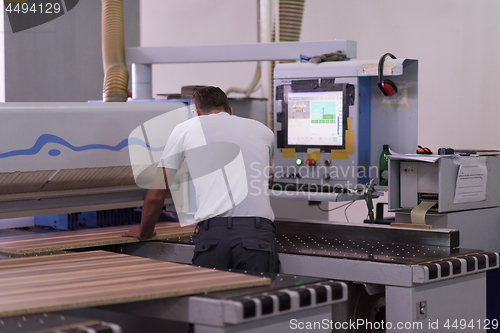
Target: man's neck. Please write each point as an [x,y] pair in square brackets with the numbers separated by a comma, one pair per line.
[216,111]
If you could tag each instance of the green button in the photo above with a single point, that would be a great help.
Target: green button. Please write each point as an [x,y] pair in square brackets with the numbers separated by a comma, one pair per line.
[322,121]
[328,116]
[298,161]
[314,121]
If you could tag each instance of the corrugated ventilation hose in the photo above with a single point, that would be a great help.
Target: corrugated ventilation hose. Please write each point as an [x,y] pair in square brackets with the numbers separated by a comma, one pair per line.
[291,13]
[113,52]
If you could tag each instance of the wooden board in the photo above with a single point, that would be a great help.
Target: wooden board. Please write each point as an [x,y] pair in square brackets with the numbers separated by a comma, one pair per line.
[95,278]
[40,243]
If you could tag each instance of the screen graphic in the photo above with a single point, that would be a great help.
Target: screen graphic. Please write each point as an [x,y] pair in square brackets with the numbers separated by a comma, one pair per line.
[315,118]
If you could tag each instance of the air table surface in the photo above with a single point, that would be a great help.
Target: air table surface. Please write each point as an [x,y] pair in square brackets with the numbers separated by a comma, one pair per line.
[32,243]
[74,280]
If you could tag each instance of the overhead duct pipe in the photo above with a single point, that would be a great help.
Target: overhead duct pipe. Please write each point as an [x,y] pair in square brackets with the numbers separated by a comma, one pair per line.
[115,87]
[290,20]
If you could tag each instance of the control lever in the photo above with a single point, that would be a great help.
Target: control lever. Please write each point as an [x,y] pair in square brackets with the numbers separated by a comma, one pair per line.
[369,198]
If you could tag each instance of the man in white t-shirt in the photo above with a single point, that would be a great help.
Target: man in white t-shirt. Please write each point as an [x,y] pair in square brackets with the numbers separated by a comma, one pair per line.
[228,158]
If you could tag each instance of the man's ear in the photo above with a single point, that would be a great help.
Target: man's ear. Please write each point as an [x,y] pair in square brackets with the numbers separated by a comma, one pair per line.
[194,112]
[231,111]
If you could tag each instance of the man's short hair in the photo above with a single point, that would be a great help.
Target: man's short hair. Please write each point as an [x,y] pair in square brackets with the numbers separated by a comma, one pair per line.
[209,98]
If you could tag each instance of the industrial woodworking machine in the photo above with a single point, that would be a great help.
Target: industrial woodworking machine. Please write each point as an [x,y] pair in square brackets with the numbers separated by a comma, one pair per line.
[330,123]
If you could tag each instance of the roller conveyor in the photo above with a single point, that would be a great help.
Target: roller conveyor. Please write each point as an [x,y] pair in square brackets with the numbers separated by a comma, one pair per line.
[257,309]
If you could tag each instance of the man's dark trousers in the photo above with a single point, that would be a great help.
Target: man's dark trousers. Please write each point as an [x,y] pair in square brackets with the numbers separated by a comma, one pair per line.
[243,243]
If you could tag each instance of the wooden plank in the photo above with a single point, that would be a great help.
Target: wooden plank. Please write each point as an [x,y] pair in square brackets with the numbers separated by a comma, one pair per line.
[95,278]
[39,243]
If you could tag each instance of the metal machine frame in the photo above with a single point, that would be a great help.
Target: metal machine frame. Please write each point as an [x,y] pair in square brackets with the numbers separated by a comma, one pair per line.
[418,271]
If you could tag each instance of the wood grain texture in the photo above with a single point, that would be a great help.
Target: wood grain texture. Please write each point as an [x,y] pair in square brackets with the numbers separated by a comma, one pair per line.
[74,280]
[40,243]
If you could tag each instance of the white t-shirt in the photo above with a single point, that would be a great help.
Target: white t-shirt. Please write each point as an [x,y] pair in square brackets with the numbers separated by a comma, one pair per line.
[228,159]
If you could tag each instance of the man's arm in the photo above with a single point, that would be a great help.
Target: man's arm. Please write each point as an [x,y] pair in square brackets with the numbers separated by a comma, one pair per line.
[152,207]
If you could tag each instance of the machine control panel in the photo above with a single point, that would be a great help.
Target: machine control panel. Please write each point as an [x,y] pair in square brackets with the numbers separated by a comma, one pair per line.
[313,118]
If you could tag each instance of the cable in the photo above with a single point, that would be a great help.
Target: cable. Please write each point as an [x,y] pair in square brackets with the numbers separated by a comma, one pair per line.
[252,87]
[345,210]
[258,71]
[358,297]
[329,210]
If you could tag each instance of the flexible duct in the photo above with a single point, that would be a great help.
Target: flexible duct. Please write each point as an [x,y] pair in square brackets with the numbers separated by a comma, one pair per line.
[113,52]
[290,15]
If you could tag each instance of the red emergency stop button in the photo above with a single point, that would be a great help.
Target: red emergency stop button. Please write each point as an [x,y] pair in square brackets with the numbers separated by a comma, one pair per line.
[311,162]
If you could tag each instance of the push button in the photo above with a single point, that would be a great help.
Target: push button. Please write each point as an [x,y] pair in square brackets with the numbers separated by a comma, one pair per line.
[311,162]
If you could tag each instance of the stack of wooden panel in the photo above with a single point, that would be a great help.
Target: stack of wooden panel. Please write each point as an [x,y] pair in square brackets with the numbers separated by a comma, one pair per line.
[75,280]
[40,243]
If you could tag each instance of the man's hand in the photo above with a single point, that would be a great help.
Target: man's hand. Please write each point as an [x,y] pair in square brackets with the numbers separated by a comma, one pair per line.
[151,209]
[136,231]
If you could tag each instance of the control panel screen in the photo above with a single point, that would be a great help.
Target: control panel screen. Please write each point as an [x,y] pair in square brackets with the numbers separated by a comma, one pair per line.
[315,118]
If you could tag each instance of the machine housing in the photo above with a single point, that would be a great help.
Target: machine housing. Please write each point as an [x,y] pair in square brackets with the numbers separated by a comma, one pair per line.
[369,121]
